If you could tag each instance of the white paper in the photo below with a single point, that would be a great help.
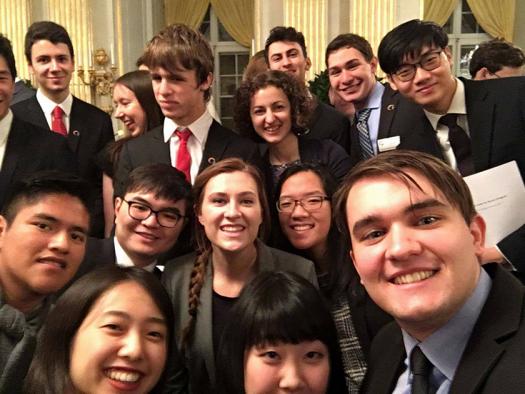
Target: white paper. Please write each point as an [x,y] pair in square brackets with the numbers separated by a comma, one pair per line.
[499,196]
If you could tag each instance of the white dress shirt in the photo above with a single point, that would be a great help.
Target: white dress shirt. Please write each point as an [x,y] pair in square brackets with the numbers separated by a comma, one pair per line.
[49,105]
[5,126]
[123,260]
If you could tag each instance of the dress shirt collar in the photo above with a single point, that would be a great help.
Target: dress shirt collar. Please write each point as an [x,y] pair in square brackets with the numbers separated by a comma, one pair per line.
[375,96]
[445,346]
[5,126]
[457,106]
[49,105]
[123,260]
[199,128]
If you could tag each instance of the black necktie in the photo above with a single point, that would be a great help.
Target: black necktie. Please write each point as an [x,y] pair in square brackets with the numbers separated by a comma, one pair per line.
[421,368]
[460,143]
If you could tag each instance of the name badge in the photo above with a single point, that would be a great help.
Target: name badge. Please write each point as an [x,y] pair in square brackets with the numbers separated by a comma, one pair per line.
[386,144]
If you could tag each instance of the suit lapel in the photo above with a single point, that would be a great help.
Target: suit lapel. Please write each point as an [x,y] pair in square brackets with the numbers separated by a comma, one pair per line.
[34,114]
[388,109]
[76,126]
[14,146]
[490,335]
[216,144]
[161,148]
[480,116]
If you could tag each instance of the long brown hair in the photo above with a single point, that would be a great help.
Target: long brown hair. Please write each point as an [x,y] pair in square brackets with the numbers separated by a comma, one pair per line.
[204,247]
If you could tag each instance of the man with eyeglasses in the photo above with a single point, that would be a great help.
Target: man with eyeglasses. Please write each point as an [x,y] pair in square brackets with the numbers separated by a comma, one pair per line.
[472,125]
[382,116]
[149,218]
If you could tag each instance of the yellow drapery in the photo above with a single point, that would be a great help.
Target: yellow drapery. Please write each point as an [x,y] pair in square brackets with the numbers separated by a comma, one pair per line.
[237,18]
[495,17]
[439,11]
[190,13]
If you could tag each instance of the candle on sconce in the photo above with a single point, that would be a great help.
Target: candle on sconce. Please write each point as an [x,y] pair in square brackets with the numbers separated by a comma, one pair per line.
[112,55]
[90,55]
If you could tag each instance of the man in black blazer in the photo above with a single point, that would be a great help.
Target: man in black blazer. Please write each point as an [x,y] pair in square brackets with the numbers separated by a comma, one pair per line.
[24,148]
[489,116]
[149,217]
[285,50]
[418,254]
[352,70]
[49,53]
[181,64]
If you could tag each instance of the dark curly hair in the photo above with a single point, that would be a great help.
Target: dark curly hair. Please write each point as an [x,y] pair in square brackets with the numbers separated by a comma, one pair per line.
[301,103]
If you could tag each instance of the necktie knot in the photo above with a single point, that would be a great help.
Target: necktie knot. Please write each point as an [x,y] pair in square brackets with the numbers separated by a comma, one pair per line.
[420,367]
[363,115]
[183,134]
[57,112]
[449,120]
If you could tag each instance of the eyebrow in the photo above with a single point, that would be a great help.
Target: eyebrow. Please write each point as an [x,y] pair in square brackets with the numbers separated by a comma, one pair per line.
[53,219]
[141,200]
[124,315]
[371,219]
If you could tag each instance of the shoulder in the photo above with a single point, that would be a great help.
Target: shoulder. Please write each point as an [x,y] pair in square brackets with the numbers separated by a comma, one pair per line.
[84,106]
[34,132]
[150,136]
[21,105]
[285,261]
[175,269]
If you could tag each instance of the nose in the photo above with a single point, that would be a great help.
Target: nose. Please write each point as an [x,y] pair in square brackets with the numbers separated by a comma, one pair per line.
[118,112]
[54,65]
[59,242]
[421,75]
[402,243]
[269,116]
[286,61]
[232,210]
[292,378]
[347,77]
[299,211]
[132,346]
[151,221]
[164,87]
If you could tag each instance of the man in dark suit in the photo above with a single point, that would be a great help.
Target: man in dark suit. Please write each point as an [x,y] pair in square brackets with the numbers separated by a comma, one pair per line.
[49,53]
[149,217]
[352,70]
[285,50]
[22,91]
[181,64]
[460,325]
[484,124]
[24,148]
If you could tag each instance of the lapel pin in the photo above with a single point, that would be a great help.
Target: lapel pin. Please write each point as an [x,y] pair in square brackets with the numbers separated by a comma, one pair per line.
[211,160]
[390,107]
[76,133]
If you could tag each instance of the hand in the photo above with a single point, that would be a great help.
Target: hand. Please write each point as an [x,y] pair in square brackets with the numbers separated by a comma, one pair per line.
[492,255]
[347,108]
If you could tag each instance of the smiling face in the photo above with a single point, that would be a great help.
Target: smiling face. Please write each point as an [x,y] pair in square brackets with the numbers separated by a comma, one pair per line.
[288,56]
[231,212]
[434,89]
[306,230]
[180,96]
[351,76]
[128,110]
[416,256]
[287,368]
[121,344]
[271,114]
[52,66]
[144,240]
[42,248]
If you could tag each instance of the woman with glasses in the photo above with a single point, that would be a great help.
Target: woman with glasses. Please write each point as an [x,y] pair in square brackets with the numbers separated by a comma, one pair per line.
[273,108]
[231,213]
[304,204]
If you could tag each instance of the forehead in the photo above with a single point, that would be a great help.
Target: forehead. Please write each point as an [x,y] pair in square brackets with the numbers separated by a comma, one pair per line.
[46,47]
[62,207]
[268,93]
[231,183]
[123,90]
[4,69]
[153,200]
[302,182]
[280,47]
[344,55]
[415,55]
[172,71]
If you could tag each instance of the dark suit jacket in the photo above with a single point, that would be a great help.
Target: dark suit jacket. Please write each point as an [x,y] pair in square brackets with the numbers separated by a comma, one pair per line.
[90,130]
[150,148]
[496,119]
[199,354]
[29,149]
[22,92]
[327,123]
[493,360]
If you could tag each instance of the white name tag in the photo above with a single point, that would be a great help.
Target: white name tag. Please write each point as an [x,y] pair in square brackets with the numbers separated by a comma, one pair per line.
[386,144]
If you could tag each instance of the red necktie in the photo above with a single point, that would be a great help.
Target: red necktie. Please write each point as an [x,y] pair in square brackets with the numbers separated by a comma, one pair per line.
[183,162]
[57,124]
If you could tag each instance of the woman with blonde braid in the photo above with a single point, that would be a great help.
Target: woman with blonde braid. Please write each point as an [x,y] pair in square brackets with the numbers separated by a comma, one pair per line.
[231,213]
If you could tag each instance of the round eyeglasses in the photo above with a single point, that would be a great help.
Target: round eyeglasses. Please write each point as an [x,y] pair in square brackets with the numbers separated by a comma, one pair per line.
[429,61]
[165,217]
[311,203]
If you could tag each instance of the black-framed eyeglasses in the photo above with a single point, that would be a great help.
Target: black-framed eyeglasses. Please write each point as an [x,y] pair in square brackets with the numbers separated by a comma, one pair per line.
[165,217]
[310,204]
[429,61]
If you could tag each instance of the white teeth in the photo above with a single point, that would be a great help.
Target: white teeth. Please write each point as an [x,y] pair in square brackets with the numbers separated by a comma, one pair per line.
[121,376]
[302,227]
[413,277]
[232,228]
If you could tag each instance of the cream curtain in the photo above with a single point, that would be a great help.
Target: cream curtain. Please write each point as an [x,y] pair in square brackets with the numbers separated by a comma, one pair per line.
[15,18]
[189,12]
[237,18]
[495,17]
[439,11]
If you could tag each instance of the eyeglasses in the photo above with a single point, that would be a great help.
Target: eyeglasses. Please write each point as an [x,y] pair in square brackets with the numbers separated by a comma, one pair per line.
[429,61]
[165,218]
[311,203]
